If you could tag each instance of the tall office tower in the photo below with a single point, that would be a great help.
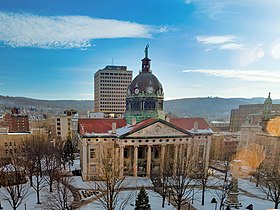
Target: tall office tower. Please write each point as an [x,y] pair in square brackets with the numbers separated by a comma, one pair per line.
[110,88]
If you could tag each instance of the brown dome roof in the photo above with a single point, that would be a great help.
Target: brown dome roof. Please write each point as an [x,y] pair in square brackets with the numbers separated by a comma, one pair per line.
[145,82]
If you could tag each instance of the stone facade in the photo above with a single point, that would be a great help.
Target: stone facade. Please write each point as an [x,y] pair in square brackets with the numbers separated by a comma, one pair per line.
[141,149]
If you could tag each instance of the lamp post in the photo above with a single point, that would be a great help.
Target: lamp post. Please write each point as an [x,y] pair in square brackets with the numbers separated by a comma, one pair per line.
[192,195]
[214,201]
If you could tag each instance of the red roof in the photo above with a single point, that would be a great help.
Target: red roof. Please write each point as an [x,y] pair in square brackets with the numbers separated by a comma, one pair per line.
[188,123]
[96,125]
[143,124]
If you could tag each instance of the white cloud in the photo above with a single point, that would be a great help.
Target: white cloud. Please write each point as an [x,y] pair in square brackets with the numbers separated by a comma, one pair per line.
[217,8]
[226,42]
[27,30]
[215,39]
[232,46]
[248,75]
[188,1]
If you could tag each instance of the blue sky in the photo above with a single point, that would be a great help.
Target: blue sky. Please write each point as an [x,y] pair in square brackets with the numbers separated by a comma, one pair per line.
[224,48]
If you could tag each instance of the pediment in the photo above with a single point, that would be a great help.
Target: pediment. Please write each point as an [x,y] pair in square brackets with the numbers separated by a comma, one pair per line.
[158,129]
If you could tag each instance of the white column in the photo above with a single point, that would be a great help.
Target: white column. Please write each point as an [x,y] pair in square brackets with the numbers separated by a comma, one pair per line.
[85,160]
[162,154]
[135,160]
[175,159]
[121,160]
[149,160]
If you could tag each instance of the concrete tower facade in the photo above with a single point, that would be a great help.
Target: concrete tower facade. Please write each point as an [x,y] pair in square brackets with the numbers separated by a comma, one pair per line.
[110,87]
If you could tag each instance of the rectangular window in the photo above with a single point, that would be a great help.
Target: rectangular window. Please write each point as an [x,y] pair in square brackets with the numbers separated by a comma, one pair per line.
[109,152]
[92,153]
[125,153]
[92,168]
[200,151]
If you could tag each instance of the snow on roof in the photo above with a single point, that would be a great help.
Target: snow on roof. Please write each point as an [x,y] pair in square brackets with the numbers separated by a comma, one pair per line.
[124,130]
[90,126]
[201,131]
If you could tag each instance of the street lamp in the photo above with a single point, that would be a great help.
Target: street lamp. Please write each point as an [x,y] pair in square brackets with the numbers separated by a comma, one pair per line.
[192,195]
[214,201]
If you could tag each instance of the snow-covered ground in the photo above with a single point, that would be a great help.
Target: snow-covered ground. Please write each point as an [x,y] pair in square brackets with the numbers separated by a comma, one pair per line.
[259,201]
[154,198]
[77,182]
[243,199]
[30,202]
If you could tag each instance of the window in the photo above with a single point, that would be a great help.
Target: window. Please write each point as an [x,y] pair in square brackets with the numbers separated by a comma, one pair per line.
[92,168]
[109,152]
[200,151]
[125,153]
[140,153]
[92,153]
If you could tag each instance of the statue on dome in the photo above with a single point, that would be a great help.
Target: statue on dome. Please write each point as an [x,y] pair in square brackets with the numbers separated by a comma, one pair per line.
[146,51]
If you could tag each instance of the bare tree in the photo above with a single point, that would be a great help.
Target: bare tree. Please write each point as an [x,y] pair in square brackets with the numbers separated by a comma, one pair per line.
[14,183]
[52,164]
[225,185]
[182,183]
[111,185]
[270,180]
[61,198]
[203,176]
[34,150]
[161,178]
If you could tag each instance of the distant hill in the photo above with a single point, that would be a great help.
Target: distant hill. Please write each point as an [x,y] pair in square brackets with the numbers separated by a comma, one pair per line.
[212,108]
[27,103]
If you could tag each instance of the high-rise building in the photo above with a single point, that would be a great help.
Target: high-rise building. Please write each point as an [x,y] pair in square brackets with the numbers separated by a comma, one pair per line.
[110,88]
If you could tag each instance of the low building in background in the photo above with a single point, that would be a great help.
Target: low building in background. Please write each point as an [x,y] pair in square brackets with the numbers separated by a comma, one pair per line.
[220,126]
[66,125]
[224,145]
[16,121]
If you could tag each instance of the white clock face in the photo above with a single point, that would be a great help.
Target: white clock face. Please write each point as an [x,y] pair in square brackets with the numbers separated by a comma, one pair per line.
[150,89]
[136,90]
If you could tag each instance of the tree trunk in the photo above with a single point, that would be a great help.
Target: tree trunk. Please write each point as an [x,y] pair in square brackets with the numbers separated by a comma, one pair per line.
[51,184]
[163,201]
[276,205]
[257,180]
[38,191]
[203,195]
[31,181]
[179,206]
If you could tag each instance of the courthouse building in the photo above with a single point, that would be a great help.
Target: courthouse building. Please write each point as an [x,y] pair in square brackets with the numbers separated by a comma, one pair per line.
[141,142]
